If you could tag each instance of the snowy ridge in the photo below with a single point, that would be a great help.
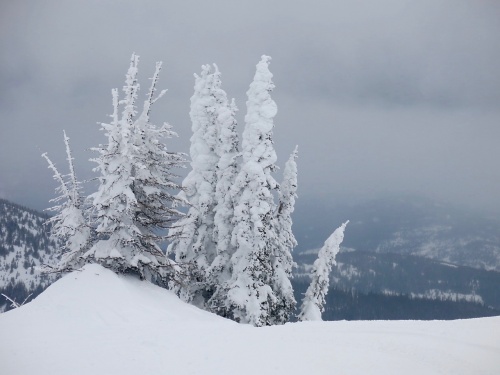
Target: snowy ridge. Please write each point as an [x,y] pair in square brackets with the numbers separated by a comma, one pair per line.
[96,322]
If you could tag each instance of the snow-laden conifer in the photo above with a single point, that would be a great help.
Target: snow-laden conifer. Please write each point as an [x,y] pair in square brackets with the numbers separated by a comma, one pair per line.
[314,299]
[282,256]
[153,185]
[135,194]
[227,170]
[70,225]
[193,236]
[250,297]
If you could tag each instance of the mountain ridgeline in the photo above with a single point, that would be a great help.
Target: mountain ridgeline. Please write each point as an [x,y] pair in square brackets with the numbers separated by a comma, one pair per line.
[372,280]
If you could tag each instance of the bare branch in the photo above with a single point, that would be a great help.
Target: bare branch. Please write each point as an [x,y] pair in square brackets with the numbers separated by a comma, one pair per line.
[13,302]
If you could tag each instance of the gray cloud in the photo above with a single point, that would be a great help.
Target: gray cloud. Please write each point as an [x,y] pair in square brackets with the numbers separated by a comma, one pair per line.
[380,96]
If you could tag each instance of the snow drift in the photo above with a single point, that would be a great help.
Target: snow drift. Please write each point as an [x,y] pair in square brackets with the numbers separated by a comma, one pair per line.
[96,322]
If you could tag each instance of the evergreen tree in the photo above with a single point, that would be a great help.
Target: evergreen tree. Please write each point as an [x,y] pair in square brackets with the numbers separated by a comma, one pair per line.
[193,242]
[153,183]
[314,299]
[133,199]
[227,170]
[70,224]
[250,298]
[282,257]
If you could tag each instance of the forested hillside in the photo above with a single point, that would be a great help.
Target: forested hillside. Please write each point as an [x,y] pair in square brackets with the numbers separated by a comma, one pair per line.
[25,244]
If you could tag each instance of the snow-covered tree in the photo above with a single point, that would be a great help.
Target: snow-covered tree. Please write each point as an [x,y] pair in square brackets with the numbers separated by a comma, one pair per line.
[219,271]
[193,236]
[282,256]
[153,185]
[250,297]
[135,196]
[314,299]
[70,224]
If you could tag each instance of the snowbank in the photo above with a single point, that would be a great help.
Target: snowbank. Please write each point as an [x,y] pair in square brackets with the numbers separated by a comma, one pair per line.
[95,322]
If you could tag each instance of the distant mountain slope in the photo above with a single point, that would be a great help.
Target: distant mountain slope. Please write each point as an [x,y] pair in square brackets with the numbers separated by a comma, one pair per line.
[25,243]
[95,322]
[369,286]
[395,274]
[405,225]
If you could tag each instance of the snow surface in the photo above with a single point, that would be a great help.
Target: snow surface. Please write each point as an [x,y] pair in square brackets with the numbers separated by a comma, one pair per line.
[95,322]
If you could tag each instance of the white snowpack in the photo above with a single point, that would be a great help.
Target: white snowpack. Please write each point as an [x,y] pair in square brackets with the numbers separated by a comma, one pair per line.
[96,322]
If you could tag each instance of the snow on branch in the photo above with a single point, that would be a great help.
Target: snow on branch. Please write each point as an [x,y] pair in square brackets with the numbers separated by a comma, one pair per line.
[13,302]
[152,89]
[314,299]
[57,176]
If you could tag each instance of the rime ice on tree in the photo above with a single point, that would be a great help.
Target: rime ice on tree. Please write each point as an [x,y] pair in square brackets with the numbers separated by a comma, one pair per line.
[194,242]
[314,299]
[133,200]
[282,256]
[250,297]
[227,169]
[70,224]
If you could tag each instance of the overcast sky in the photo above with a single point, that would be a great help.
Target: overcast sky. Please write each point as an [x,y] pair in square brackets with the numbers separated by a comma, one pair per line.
[382,97]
